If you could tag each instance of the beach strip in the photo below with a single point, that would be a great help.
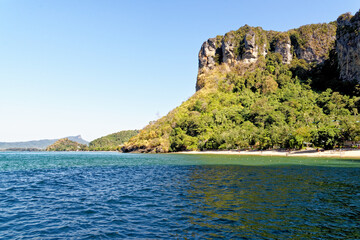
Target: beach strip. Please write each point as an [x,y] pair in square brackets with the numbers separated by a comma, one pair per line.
[301,153]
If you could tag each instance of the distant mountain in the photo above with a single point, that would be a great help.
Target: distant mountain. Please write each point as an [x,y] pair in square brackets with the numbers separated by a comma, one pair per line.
[78,139]
[39,144]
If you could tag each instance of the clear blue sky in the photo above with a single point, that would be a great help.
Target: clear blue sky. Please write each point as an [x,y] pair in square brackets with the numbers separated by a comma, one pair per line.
[70,67]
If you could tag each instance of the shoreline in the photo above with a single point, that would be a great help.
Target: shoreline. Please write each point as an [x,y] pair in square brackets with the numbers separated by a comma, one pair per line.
[300,153]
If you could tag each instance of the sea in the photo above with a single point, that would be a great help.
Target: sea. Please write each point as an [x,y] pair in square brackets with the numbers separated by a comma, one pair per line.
[109,195]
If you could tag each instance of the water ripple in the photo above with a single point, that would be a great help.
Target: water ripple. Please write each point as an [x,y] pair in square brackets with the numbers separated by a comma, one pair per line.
[112,199]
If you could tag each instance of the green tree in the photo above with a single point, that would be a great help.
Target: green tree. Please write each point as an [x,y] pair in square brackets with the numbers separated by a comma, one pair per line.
[326,137]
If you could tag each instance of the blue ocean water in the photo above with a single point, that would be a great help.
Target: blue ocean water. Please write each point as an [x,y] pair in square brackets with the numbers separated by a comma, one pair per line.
[152,196]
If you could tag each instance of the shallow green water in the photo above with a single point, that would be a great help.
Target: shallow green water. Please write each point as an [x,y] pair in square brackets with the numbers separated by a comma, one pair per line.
[41,160]
[152,196]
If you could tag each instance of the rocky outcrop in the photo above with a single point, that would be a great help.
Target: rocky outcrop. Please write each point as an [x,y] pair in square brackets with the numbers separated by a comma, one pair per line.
[241,46]
[348,47]
[283,46]
[251,48]
[314,41]
[310,42]
[207,54]
[227,48]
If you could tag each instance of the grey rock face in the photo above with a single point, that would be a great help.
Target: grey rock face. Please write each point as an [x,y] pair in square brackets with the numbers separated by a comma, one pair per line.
[251,49]
[308,55]
[316,40]
[207,54]
[312,43]
[284,48]
[227,48]
[231,50]
[348,47]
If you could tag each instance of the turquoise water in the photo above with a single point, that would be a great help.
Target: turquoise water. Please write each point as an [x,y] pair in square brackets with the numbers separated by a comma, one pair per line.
[152,196]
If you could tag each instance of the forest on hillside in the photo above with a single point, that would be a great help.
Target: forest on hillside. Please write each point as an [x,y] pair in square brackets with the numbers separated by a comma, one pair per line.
[264,105]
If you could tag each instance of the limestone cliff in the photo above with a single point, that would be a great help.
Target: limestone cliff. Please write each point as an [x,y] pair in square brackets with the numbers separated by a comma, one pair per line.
[207,54]
[348,47]
[313,42]
[262,89]
[247,44]
[283,46]
[243,45]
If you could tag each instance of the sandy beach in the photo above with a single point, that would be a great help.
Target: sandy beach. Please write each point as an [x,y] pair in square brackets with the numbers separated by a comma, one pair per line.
[344,153]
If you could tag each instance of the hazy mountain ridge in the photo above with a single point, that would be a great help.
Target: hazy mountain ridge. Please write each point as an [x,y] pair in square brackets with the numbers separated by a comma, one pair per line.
[39,144]
[64,144]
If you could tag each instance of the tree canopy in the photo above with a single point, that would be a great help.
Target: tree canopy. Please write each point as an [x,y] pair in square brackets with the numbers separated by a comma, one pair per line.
[270,105]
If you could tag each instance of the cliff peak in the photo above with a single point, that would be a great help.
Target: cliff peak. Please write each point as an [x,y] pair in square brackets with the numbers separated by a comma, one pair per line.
[248,44]
[348,47]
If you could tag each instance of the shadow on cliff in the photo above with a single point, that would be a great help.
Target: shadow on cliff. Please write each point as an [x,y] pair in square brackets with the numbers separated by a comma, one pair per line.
[325,75]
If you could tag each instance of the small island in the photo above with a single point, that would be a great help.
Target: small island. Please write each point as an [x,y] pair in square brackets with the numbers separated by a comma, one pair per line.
[111,142]
[65,144]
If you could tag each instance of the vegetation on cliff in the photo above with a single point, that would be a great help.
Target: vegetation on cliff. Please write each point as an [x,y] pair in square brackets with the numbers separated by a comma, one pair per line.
[264,105]
[65,144]
[288,95]
[240,36]
[317,37]
[312,43]
[112,142]
[37,144]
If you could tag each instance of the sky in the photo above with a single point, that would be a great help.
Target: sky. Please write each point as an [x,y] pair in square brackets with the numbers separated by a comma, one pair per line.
[91,68]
